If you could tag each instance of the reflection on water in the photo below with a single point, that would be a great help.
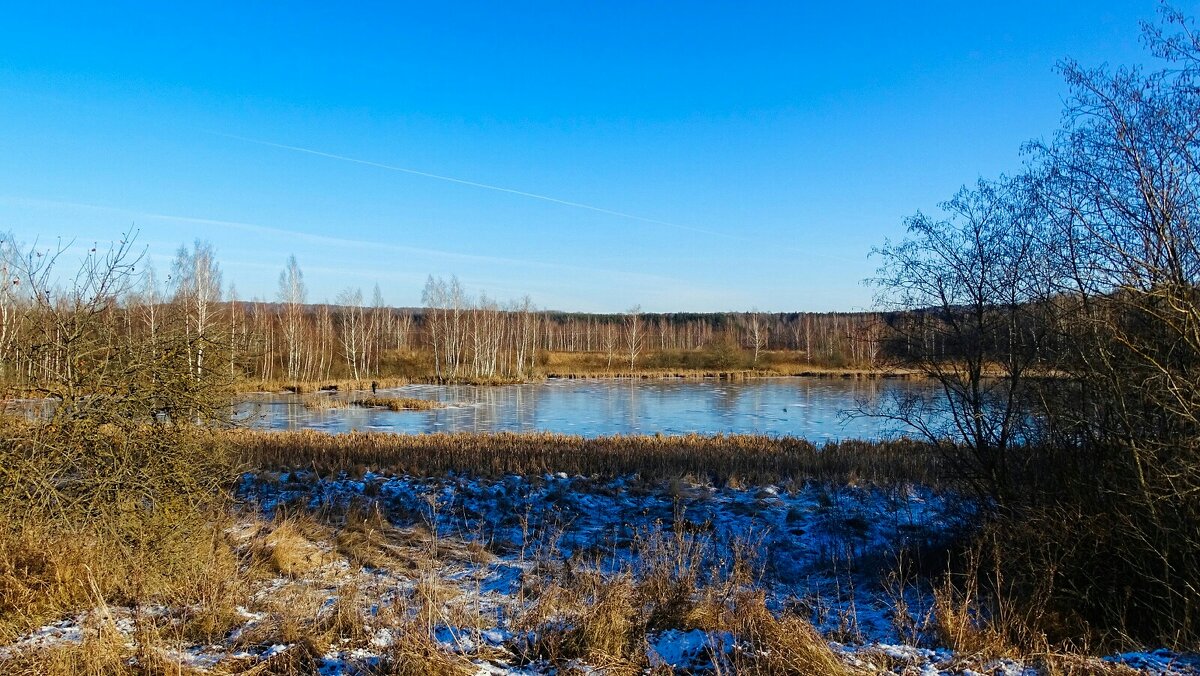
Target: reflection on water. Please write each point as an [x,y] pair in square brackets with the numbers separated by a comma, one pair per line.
[806,407]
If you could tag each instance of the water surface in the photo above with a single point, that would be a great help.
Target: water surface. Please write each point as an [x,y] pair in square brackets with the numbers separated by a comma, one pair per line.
[812,408]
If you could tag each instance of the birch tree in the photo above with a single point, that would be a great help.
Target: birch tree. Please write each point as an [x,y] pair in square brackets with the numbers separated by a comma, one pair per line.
[352,330]
[633,334]
[197,279]
[292,294]
[758,332]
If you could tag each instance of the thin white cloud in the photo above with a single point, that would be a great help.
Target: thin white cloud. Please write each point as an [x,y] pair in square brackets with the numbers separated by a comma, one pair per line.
[476,184]
[634,277]
[522,193]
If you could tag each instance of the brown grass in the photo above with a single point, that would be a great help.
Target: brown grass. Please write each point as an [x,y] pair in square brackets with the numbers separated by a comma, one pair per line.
[585,616]
[324,402]
[785,644]
[700,364]
[604,619]
[289,548]
[101,652]
[44,576]
[960,622]
[570,614]
[398,403]
[720,458]
[653,364]
[326,384]
[415,653]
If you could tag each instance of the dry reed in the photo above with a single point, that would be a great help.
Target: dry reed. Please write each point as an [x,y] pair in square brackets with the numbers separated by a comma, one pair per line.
[721,458]
[398,403]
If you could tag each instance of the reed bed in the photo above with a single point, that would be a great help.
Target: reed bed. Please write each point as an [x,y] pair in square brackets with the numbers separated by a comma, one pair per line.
[720,458]
[736,375]
[398,403]
[322,402]
[323,385]
[567,369]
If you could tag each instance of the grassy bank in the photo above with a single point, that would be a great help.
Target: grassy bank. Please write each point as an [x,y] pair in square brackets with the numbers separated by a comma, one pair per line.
[727,364]
[314,567]
[397,575]
[669,364]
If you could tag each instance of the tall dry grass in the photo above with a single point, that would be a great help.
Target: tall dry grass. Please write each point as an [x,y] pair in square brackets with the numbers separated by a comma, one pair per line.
[398,403]
[679,581]
[729,363]
[134,513]
[696,364]
[721,458]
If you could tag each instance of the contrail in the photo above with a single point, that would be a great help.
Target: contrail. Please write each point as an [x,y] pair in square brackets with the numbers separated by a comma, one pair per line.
[475,184]
[329,240]
[521,193]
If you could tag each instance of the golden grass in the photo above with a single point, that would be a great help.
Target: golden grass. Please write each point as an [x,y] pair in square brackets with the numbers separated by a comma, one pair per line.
[415,653]
[398,403]
[324,384]
[651,364]
[289,548]
[699,364]
[589,616]
[102,652]
[573,613]
[323,402]
[45,575]
[720,458]
[786,644]
[203,567]
[605,619]
[959,623]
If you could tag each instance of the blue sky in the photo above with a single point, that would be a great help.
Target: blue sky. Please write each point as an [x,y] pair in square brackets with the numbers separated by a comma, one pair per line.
[725,156]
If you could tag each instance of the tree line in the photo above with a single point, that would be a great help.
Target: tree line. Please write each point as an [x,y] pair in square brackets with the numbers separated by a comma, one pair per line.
[455,335]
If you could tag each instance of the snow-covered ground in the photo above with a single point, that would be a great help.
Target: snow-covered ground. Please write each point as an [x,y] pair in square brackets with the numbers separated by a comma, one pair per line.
[807,539]
[479,551]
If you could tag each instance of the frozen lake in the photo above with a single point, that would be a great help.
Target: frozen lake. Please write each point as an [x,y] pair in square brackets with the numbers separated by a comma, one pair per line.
[812,408]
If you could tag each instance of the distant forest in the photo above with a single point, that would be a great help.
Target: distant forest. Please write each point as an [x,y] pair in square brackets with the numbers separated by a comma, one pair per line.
[454,336]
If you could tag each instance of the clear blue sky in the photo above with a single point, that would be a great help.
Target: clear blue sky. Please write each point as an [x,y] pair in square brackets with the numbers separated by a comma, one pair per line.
[753,154]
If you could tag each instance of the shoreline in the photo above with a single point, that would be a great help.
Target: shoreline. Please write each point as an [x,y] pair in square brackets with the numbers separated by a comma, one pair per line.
[385,382]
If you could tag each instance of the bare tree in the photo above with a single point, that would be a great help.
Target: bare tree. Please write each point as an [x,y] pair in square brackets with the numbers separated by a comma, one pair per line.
[352,330]
[292,294]
[526,339]
[434,298]
[10,303]
[1122,192]
[197,280]
[971,279]
[633,334]
[758,332]
[376,331]
[120,459]
[609,340]
[1086,274]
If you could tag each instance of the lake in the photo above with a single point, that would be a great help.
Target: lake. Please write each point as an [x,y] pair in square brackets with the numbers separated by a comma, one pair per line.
[812,408]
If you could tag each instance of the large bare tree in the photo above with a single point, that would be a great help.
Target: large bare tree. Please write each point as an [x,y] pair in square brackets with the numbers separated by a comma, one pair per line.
[963,287]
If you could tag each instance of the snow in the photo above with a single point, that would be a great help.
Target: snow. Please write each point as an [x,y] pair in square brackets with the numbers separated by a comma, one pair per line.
[813,544]
[686,649]
[1159,662]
